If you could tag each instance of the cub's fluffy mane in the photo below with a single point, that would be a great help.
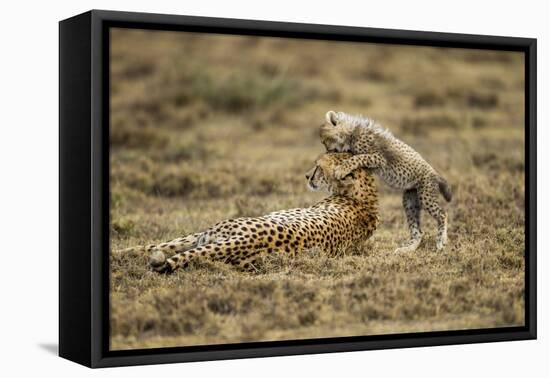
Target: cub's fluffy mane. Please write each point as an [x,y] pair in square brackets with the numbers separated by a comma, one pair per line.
[359,126]
[365,123]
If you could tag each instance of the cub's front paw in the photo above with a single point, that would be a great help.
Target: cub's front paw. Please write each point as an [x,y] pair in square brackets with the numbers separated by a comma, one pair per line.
[341,172]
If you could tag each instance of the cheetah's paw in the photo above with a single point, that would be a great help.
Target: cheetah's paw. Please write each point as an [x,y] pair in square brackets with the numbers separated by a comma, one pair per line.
[159,263]
[157,259]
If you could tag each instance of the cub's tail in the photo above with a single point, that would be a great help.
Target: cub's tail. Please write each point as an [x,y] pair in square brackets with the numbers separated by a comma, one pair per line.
[444,188]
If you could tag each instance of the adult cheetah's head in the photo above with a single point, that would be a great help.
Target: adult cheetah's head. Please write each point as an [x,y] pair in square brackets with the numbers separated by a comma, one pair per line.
[321,176]
[359,185]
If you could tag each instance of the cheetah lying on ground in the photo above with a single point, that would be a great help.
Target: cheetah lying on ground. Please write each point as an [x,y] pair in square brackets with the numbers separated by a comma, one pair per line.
[399,165]
[348,216]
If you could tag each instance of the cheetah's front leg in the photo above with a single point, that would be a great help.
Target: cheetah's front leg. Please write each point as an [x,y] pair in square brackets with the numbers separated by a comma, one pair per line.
[374,160]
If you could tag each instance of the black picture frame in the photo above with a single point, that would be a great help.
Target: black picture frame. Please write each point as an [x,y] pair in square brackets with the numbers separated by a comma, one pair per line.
[84,189]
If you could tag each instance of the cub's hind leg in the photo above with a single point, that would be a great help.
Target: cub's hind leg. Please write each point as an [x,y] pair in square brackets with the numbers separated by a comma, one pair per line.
[428,194]
[411,205]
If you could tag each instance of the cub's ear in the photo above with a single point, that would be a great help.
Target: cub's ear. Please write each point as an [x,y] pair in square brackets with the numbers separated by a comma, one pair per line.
[331,117]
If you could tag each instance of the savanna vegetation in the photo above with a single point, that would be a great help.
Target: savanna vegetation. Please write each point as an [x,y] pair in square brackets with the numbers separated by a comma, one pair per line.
[207,127]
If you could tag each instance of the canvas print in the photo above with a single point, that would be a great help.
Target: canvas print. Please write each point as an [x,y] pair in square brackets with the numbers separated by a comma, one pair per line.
[267,189]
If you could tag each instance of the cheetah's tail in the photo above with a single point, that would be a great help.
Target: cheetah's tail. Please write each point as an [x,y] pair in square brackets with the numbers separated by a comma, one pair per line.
[444,188]
[136,249]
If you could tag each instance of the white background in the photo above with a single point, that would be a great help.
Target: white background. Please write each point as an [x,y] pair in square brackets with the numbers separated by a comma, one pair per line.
[29,189]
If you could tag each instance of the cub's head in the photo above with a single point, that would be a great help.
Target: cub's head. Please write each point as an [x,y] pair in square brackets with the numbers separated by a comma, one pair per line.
[336,133]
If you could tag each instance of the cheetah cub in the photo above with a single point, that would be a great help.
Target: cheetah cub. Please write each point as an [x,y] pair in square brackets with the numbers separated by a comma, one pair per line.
[398,164]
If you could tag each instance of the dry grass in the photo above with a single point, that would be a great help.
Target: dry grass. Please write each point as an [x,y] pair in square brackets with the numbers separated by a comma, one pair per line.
[209,127]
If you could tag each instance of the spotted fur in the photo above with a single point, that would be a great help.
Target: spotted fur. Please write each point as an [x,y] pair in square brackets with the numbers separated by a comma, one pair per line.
[348,216]
[398,164]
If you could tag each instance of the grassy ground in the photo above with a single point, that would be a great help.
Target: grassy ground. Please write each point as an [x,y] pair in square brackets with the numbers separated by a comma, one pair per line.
[209,127]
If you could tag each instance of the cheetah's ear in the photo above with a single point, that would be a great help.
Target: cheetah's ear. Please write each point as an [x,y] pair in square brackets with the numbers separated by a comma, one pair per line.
[348,180]
[345,183]
[331,117]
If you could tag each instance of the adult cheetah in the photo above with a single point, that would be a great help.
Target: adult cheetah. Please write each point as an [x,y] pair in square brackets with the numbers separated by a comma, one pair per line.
[398,164]
[348,216]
